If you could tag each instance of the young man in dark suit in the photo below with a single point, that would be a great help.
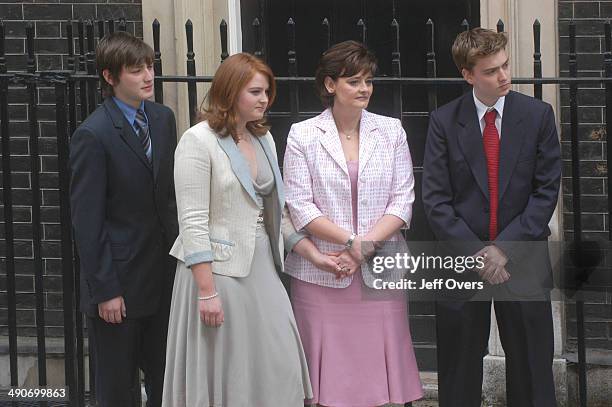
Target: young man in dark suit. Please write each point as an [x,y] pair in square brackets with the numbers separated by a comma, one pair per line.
[124,218]
[491,180]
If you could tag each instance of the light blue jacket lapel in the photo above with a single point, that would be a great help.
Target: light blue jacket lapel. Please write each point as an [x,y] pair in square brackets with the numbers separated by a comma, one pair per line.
[239,165]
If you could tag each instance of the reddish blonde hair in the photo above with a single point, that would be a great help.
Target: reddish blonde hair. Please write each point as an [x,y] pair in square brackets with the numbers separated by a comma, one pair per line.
[229,80]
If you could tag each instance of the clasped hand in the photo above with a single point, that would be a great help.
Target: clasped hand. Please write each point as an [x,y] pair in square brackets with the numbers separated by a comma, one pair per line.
[494,270]
[112,311]
[343,263]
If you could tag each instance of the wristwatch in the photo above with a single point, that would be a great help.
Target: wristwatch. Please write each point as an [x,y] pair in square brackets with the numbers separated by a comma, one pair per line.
[349,242]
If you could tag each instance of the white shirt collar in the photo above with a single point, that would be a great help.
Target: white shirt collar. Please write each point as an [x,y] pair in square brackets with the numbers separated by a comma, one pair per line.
[481,108]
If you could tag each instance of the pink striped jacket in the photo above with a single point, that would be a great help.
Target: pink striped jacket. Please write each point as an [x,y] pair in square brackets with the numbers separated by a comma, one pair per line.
[317,183]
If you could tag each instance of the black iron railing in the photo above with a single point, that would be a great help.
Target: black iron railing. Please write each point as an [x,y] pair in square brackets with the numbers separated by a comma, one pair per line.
[77,95]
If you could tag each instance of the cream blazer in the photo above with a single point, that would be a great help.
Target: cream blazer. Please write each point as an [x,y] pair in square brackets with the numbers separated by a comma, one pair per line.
[216,204]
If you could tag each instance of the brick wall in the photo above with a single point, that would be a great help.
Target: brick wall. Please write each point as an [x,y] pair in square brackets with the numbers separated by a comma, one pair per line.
[589,16]
[51,47]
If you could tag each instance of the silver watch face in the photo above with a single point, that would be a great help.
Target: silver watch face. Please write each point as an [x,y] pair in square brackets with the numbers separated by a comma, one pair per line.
[349,242]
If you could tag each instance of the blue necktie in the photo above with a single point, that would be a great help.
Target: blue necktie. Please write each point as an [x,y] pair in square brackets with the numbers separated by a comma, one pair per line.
[143,133]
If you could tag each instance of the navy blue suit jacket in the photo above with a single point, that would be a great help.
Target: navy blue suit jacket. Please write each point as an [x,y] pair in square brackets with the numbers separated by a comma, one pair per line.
[123,208]
[455,190]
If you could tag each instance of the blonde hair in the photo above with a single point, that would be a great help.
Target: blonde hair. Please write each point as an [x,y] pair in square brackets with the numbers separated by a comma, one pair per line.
[471,45]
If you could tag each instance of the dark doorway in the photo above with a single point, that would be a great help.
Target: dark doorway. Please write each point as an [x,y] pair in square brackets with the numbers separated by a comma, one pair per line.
[343,16]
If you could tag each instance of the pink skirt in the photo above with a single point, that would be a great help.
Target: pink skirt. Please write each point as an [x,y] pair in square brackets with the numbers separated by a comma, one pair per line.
[359,351]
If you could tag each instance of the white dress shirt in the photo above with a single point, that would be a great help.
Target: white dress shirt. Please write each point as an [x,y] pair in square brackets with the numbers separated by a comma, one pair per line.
[482,109]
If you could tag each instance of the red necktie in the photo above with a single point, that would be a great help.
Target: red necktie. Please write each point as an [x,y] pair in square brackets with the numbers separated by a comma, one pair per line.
[490,138]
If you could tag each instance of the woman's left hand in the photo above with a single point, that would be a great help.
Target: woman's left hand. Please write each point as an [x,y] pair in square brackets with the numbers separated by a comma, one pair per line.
[347,263]
[326,262]
[362,250]
[355,250]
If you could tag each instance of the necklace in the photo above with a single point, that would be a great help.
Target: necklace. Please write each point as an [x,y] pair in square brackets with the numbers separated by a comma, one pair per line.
[349,135]
[241,137]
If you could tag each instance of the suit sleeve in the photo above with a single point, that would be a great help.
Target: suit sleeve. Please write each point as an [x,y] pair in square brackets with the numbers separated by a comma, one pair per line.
[438,192]
[531,224]
[88,206]
[192,174]
[298,180]
[402,188]
[290,236]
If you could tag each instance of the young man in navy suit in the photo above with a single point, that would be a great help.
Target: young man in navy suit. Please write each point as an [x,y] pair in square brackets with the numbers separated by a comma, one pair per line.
[491,180]
[124,218]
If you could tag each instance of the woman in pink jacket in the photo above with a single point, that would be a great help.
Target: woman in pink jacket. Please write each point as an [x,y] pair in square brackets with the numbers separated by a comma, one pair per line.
[349,182]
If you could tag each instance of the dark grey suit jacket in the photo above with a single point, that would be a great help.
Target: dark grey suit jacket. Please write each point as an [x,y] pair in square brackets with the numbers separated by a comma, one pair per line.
[455,190]
[123,208]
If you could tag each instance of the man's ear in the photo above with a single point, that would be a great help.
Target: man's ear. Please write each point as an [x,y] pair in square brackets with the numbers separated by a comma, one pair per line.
[108,77]
[467,75]
[330,85]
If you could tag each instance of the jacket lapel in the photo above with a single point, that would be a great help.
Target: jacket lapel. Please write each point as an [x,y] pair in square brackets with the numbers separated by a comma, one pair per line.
[470,142]
[367,139]
[238,163]
[512,138]
[330,140]
[274,165]
[126,131]
[156,137]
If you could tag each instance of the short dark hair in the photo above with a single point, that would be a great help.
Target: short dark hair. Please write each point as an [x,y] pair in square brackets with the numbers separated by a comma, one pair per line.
[471,45]
[118,50]
[342,60]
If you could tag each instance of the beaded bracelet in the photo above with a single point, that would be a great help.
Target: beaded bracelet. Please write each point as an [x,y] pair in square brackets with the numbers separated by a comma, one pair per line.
[210,297]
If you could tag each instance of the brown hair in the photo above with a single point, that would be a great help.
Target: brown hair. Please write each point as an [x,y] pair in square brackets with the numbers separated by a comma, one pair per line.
[229,80]
[117,50]
[474,44]
[342,60]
